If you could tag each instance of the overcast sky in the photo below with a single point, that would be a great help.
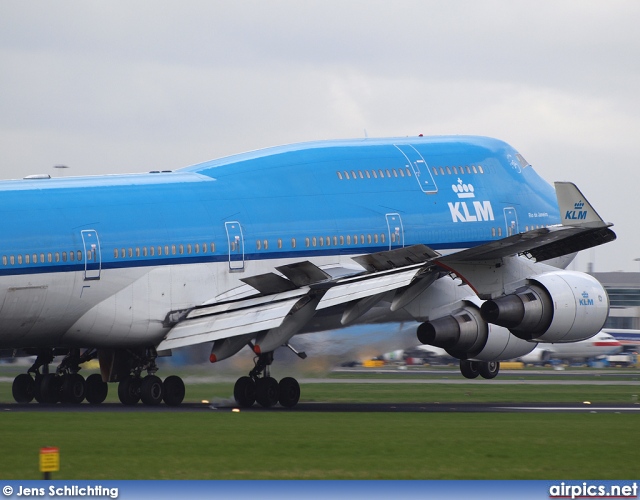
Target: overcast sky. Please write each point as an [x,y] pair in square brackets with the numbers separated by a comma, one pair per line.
[131,86]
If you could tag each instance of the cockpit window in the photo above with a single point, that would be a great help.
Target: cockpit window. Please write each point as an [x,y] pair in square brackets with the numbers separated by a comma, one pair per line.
[523,163]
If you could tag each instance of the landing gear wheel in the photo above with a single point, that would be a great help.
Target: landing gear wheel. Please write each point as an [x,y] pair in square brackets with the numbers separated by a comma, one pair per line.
[469,369]
[23,388]
[49,389]
[151,390]
[489,370]
[73,389]
[129,391]
[173,390]
[289,392]
[95,389]
[267,392]
[244,392]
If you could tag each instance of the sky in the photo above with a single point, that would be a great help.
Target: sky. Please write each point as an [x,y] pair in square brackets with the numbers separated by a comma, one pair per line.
[130,86]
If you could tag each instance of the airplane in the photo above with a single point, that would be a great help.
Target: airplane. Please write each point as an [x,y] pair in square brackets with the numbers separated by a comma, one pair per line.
[601,344]
[458,233]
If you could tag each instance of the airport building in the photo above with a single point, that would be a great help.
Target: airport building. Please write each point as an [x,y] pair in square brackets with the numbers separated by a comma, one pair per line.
[624,297]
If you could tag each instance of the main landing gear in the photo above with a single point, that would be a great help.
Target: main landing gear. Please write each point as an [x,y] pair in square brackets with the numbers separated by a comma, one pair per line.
[66,385]
[471,369]
[260,387]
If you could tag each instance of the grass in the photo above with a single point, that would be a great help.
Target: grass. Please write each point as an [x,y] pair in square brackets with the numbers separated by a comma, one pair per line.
[288,445]
[224,445]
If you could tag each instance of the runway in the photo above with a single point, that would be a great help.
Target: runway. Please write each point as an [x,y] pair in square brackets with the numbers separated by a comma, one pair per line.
[228,406]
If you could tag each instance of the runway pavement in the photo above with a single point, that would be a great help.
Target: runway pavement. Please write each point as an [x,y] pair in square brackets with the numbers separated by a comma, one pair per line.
[335,407]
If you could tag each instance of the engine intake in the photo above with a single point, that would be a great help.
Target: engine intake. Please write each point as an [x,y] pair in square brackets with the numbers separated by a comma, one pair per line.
[561,306]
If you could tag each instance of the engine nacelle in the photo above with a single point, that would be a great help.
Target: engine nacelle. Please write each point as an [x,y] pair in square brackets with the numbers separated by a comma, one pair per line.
[465,335]
[562,306]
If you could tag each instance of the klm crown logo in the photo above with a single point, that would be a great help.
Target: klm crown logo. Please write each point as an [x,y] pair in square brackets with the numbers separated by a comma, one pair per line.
[463,190]
[577,213]
[585,300]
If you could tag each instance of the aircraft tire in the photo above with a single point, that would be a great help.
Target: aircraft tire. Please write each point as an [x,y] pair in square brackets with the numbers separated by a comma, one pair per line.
[151,390]
[49,389]
[23,388]
[73,389]
[173,390]
[244,392]
[489,370]
[129,391]
[96,389]
[289,389]
[267,393]
[469,369]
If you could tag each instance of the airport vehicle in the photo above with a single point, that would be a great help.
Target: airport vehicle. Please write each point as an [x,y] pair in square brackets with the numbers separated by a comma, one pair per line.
[601,344]
[252,249]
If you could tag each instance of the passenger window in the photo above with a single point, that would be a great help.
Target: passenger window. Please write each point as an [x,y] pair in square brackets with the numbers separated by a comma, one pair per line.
[441,170]
[468,170]
[213,247]
[266,244]
[144,251]
[130,253]
[189,248]
[493,232]
[353,174]
[152,251]
[26,259]
[137,251]
[79,255]
[388,173]
[12,260]
[480,169]
[115,253]
[369,238]
[159,250]
[375,176]
[395,173]
[381,174]
[293,242]
[64,256]
[367,174]
[455,170]
[204,248]
[72,256]
[173,249]
[306,241]
[401,173]
[49,257]
[321,241]
[314,241]
[122,253]
[197,247]
[346,175]
[181,249]
[362,239]
[4,260]
[339,175]
[448,171]
[375,238]
[88,256]
[360,174]
[348,239]
[408,172]
[166,249]
[58,256]
[382,237]
[393,237]
[233,245]
[335,241]
[279,243]
[258,245]
[475,170]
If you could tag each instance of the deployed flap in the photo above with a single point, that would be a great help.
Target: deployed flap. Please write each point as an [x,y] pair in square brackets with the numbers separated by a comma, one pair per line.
[230,319]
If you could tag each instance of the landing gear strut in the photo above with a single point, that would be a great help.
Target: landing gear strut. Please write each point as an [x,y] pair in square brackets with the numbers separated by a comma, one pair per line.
[151,390]
[261,387]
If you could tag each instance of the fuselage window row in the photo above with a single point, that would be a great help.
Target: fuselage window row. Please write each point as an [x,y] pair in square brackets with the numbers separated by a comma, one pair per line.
[382,173]
[161,250]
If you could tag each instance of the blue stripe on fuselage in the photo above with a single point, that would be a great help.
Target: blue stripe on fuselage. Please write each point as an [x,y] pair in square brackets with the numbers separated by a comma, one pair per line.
[276,195]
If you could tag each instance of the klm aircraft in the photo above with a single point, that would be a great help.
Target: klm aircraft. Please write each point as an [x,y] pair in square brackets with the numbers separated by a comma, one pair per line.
[458,233]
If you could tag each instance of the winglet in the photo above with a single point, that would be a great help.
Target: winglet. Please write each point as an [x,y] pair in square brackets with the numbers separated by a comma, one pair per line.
[575,210]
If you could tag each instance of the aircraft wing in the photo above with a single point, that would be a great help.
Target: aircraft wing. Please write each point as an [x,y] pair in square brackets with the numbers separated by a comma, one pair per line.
[281,297]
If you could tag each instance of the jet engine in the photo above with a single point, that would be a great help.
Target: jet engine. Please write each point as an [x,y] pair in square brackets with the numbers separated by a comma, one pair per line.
[561,306]
[465,335]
